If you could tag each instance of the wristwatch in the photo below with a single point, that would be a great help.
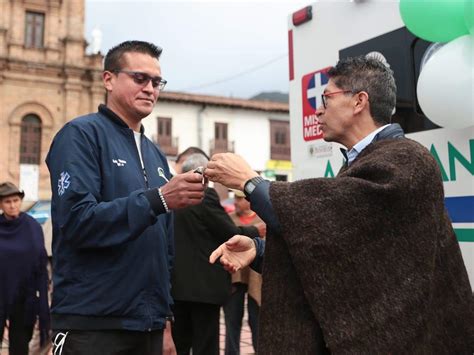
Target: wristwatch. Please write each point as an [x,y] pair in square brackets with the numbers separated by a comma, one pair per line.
[251,184]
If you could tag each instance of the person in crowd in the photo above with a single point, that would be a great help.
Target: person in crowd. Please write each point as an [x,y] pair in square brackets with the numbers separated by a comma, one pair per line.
[366,262]
[23,273]
[198,288]
[112,199]
[244,281]
[181,158]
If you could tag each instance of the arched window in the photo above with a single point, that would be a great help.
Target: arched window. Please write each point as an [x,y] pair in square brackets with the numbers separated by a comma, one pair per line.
[30,146]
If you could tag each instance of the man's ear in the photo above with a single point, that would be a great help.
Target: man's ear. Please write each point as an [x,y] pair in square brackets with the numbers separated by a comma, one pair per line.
[361,101]
[108,80]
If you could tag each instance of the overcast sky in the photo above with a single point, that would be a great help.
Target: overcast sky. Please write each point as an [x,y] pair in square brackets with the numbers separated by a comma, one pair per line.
[205,41]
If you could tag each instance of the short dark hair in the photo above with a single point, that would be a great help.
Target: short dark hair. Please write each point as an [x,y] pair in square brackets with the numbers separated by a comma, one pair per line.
[113,59]
[189,151]
[372,76]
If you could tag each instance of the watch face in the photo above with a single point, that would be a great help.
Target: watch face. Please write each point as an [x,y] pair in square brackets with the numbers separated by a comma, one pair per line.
[252,184]
[249,187]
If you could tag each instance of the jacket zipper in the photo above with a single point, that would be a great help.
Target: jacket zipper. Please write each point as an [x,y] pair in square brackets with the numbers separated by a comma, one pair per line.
[145,177]
[153,260]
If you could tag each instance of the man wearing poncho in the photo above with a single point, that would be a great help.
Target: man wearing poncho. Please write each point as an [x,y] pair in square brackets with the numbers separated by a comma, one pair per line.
[364,263]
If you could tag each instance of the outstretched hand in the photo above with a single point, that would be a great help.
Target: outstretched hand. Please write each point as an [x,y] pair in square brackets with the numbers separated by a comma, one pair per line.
[235,254]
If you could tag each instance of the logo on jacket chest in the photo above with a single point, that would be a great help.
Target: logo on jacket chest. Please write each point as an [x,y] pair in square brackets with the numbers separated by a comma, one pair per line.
[119,162]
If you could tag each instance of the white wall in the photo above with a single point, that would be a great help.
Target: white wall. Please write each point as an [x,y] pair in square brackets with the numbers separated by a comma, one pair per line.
[183,123]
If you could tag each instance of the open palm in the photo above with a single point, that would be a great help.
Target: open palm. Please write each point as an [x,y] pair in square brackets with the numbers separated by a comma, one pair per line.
[235,254]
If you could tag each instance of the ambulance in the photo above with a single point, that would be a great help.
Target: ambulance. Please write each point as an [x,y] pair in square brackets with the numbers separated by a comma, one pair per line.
[322,33]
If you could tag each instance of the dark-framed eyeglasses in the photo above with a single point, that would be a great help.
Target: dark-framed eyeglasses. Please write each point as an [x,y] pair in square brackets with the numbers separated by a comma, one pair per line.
[325,95]
[143,79]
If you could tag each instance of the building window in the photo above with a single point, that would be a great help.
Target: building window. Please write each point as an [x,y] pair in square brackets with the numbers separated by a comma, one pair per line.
[220,132]
[220,138]
[30,145]
[34,29]
[220,143]
[164,129]
[165,140]
[280,140]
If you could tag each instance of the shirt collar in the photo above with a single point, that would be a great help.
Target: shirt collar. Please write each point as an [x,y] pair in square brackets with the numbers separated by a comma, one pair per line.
[107,112]
[362,144]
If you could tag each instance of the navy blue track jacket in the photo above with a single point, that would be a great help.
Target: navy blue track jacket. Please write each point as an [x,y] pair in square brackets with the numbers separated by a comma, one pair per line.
[112,240]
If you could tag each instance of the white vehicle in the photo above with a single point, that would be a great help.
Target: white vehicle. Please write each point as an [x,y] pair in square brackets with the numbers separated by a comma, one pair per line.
[325,31]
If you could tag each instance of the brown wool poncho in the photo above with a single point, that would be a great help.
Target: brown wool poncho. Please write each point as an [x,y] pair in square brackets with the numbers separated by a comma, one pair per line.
[370,257]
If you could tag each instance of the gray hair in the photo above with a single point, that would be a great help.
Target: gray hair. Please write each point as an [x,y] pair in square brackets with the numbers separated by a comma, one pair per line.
[194,161]
[372,76]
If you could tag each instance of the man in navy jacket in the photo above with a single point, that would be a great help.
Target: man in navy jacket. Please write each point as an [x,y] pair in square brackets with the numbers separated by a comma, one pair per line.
[112,230]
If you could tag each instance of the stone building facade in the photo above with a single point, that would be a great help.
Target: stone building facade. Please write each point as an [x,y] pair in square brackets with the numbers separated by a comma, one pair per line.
[46,79]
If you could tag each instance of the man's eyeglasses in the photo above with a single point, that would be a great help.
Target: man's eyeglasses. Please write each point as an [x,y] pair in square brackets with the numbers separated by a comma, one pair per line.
[143,79]
[324,96]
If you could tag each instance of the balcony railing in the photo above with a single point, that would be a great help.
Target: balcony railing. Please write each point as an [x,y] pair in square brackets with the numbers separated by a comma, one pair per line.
[168,145]
[280,152]
[220,146]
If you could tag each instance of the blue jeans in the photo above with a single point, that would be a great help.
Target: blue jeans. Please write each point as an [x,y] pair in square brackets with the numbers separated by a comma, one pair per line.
[234,312]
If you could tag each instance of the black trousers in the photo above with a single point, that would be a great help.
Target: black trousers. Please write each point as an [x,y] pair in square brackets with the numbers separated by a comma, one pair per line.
[19,333]
[196,327]
[107,342]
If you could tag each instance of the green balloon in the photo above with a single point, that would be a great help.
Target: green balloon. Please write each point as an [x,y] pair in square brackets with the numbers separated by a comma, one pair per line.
[469,15]
[435,20]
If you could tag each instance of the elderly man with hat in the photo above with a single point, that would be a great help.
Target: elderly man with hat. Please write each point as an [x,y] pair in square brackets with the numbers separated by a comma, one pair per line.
[23,273]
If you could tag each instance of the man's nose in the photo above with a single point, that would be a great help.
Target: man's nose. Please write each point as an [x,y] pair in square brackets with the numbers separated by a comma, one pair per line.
[319,110]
